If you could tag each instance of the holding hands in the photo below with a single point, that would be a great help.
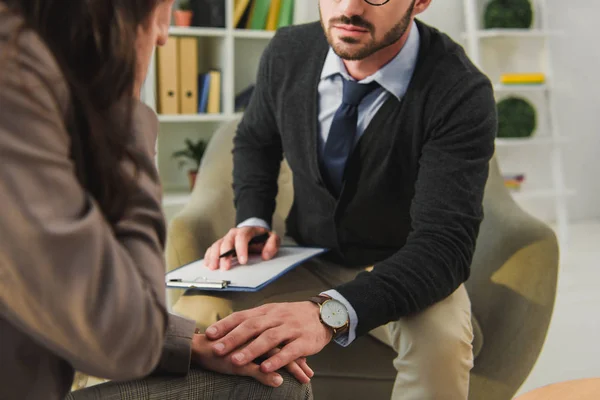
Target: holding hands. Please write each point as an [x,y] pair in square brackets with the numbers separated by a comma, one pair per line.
[204,356]
[246,335]
[281,334]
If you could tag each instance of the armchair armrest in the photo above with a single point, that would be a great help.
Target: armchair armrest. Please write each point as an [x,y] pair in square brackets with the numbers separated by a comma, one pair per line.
[206,217]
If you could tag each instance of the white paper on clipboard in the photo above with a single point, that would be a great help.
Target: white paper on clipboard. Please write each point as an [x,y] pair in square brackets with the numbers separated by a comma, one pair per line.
[250,277]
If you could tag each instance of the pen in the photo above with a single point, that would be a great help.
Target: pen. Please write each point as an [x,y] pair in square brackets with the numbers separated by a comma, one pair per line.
[255,240]
[200,285]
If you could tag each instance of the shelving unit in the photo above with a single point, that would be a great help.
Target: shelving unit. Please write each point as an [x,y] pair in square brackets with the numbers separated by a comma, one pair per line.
[530,141]
[519,33]
[236,53]
[521,88]
[497,51]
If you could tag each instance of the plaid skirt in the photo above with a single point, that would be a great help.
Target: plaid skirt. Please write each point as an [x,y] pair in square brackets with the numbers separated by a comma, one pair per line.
[197,385]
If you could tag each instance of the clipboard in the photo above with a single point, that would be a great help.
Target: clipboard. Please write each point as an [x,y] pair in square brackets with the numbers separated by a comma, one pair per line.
[251,277]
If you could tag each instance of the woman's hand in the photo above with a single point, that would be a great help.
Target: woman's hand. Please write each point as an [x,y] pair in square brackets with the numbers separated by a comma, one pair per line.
[203,355]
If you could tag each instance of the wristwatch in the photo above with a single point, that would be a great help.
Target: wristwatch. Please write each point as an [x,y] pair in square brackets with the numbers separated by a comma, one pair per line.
[333,314]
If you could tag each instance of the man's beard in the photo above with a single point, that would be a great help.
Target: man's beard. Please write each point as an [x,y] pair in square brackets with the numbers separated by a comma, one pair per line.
[391,37]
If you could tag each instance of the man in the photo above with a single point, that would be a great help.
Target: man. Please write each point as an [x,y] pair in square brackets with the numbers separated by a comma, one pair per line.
[388,129]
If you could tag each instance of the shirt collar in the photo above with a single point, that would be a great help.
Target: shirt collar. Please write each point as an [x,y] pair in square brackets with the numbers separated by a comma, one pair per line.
[394,77]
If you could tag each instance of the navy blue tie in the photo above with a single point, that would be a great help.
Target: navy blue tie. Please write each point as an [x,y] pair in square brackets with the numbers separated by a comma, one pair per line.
[343,132]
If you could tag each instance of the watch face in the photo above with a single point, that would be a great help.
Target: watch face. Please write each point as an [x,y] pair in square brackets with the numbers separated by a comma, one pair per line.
[334,314]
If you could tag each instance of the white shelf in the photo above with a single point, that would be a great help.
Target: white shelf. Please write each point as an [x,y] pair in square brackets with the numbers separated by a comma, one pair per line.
[176,198]
[512,33]
[199,32]
[252,34]
[182,118]
[521,88]
[530,141]
[541,194]
[488,47]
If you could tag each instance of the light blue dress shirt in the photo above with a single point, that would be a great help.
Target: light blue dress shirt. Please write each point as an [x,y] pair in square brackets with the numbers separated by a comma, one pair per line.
[393,79]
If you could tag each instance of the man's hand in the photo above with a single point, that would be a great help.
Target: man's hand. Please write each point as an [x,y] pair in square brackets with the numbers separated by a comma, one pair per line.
[203,355]
[295,326]
[238,238]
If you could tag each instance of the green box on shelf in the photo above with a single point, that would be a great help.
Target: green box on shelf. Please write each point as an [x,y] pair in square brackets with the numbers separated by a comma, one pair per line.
[508,14]
[516,118]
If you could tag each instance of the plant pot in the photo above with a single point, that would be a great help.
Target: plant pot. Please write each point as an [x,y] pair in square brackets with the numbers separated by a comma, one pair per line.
[508,14]
[192,177]
[183,18]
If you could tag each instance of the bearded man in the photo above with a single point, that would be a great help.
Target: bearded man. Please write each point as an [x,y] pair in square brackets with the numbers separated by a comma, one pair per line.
[388,129]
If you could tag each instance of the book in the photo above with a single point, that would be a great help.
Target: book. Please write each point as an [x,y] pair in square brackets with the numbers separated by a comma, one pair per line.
[245,20]
[523,79]
[251,277]
[258,15]
[203,89]
[239,9]
[286,13]
[514,181]
[214,93]
[188,75]
[273,16]
[168,77]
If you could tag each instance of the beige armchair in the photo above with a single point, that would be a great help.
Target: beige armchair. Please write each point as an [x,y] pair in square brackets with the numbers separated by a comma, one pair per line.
[512,286]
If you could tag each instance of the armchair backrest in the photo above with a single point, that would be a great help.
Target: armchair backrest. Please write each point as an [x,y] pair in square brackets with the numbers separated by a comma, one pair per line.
[216,173]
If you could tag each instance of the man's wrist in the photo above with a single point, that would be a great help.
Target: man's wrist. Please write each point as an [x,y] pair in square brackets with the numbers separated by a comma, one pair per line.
[329,332]
[333,333]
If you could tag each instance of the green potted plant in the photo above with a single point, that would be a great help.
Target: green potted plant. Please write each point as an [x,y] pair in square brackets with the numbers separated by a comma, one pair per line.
[508,14]
[184,14]
[516,118]
[191,154]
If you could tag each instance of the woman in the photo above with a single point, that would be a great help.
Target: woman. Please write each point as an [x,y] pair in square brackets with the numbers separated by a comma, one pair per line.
[81,227]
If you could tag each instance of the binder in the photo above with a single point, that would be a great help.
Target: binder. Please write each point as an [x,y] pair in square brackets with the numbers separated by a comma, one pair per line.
[203,87]
[239,10]
[258,16]
[286,14]
[273,15]
[252,277]
[214,93]
[188,75]
[523,79]
[245,19]
[167,75]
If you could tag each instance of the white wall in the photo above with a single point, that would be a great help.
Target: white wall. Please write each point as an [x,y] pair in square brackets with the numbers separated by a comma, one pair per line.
[575,61]
[447,16]
[576,65]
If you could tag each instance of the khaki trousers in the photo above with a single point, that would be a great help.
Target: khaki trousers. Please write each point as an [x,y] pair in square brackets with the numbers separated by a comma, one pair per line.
[434,348]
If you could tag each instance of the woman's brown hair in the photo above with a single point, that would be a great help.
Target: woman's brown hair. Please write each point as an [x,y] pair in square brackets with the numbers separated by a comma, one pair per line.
[94,43]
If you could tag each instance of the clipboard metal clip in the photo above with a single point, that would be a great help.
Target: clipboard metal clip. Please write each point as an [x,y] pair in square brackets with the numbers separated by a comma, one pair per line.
[205,284]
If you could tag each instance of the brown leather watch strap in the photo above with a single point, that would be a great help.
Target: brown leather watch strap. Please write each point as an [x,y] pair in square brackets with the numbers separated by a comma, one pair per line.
[320,299]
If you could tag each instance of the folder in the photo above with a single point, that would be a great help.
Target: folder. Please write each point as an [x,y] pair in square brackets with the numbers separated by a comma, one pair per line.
[286,14]
[214,93]
[167,76]
[188,75]
[239,9]
[251,277]
[203,88]
[273,16]
[523,79]
[258,15]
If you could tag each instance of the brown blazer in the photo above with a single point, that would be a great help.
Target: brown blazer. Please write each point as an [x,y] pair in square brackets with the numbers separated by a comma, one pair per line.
[75,293]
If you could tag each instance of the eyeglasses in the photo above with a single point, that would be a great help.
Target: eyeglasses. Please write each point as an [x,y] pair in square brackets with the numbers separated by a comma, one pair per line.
[376,3]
